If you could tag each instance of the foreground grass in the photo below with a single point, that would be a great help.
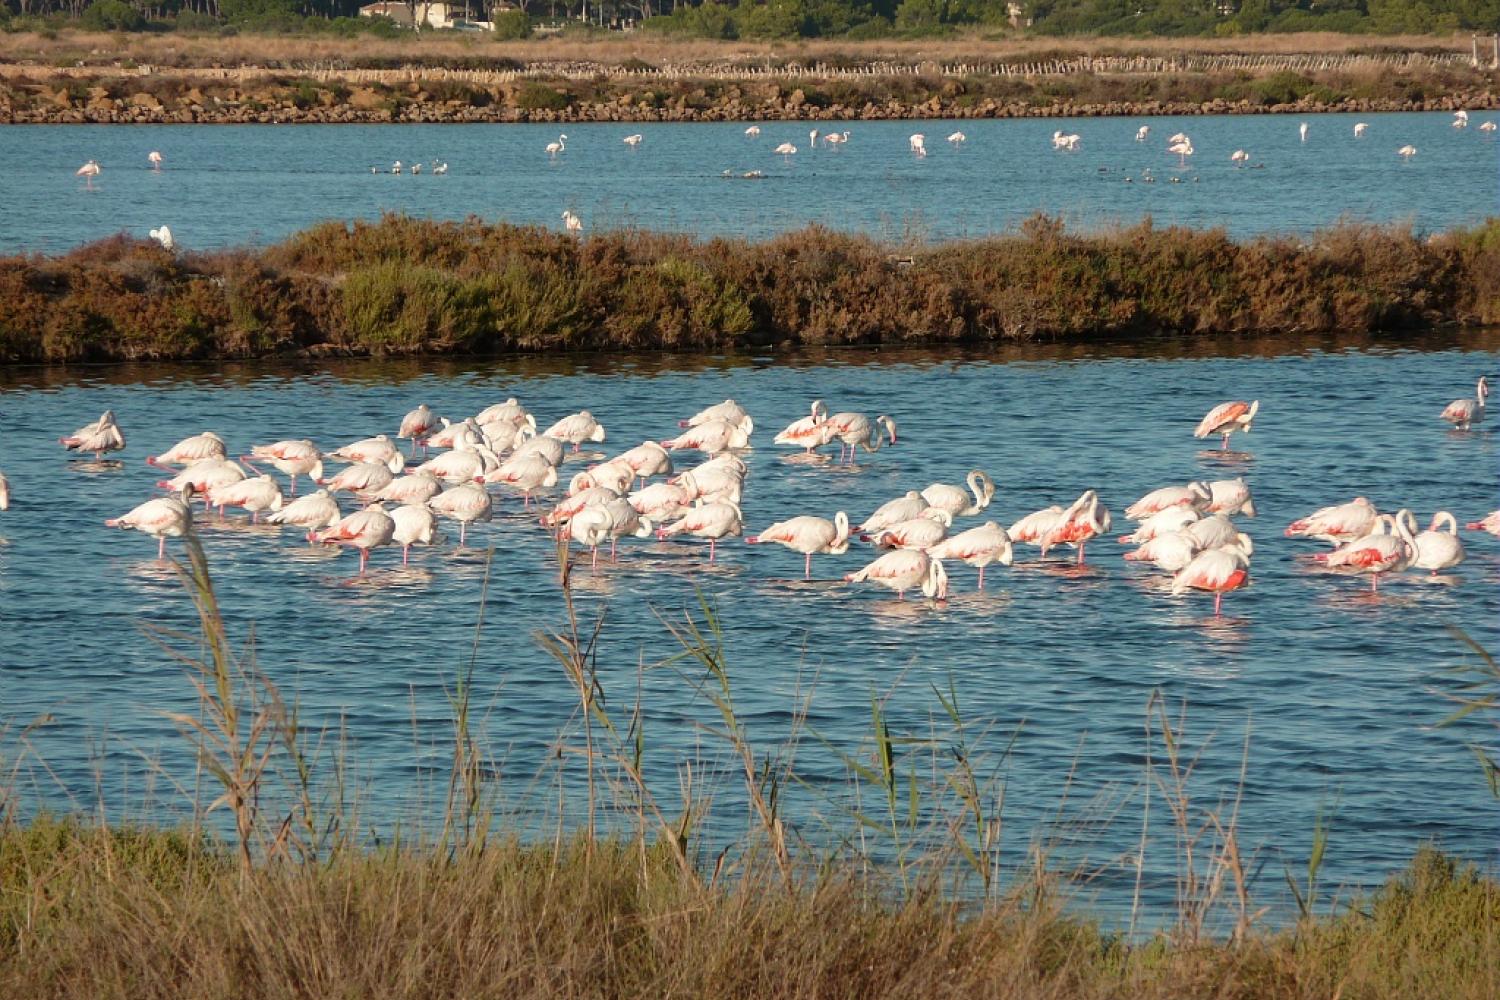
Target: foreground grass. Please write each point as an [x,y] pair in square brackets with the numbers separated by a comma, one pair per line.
[408,286]
[91,912]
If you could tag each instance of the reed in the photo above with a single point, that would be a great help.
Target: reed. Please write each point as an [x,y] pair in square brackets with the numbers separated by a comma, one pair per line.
[340,289]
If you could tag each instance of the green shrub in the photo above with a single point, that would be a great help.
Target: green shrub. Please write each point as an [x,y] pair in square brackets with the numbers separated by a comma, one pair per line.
[112,15]
[511,25]
[540,97]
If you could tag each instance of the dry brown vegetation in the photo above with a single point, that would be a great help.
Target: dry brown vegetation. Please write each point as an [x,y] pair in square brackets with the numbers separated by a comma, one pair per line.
[408,286]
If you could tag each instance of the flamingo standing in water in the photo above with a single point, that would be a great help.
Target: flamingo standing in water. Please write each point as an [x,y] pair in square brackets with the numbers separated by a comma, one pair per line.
[713,436]
[1226,418]
[1302,131]
[103,435]
[956,501]
[632,140]
[553,148]
[190,450]
[255,494]
[809,536]
[572,223]
[1390,549]
[1464,413]
[291,458]
[1034,527]
[416,425]
[977,547]
[1490,523]
[1216,570]
[1086,519]
[526,473]
[1336,524]
[155,159]
[917,143]
[753,131]
[1239,157]
[786,151]
[958,138]
[414,524]
[1437,550]
[1142,132]
[1182,150]
[805,432]
[576,429]
[728,410]
[713,521]
[364,530]
[465,503]
[313,512]
[1407,151]
[856,429]
[162,518]
[903,569]
[1360,128]
[88,172]
[921,532]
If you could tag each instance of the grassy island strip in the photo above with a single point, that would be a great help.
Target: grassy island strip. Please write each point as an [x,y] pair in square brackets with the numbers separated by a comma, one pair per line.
[922,891]
[403,286]
[82,77]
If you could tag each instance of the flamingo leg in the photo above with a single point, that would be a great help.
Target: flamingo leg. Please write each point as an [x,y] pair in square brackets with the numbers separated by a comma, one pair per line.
[364,558]
[612,543]
[161,548]
[807,567]
[981,578]
[710,551]
[1374,582]
[1218,600]
[1225,445]
[594,557]
[1080,552]
[294,484]
[463,527]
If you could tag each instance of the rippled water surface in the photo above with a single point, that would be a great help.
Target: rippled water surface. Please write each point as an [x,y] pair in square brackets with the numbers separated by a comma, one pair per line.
[226,185]
[1338,689]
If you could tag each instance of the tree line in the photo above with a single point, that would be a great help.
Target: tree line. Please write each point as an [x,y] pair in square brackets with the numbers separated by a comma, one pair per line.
[809,18]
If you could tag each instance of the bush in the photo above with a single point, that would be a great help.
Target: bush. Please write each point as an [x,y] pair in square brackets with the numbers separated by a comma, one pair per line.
[194,22]
[112,15]
[511,25]
[540,97]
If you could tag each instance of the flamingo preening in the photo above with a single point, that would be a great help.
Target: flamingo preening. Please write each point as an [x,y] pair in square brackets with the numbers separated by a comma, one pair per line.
[809,536]
[1465,413]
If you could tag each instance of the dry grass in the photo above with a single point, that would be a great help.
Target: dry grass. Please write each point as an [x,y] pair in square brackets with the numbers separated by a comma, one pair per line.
[640,908]
[283,51]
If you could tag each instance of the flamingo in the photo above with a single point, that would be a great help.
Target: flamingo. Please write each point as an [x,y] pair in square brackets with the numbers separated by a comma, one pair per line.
[377,449]
[1034,527]
[805,432]
[1226,418]
[1169,551]
[1182,150]
[461,466]
[1162,522]
[414,524]
[576,429]
[1193,495]
[660,501]
[707,484]
[1460,119]
[590,527]
[978,547]
[1407,151]
[921,532]
[103,435]
[572,223]
[415,488]
[713,521]
[1337,524]
[1239,157]
[1436,549]
[839,138]
[1389,549]
[632,140]
[575,503]
[366,478]
[1464,413]
[1066,140]
[440,168]
[190,450]
[1490,523]
[1230,496]
[163,235]
[1142,132]
[465,503]
[364,529]
[88,172]
[613,475]
[812,139]
[526,473]
[155,159]
[786,150]
[314,512]
[625,520]
[753,131]
[1487,126]
[713,436]
[904,569]
[1360,128]
[1085,519]
[498,435]
[254,494]
[955,500]
[917,143]
[647,459]
[416,425]
[1302,131]
[553,148]
[550,448]
[161,518]
[728,410]
[1216,570]
[809,536]
[958,138]
[855,429]
[510,410]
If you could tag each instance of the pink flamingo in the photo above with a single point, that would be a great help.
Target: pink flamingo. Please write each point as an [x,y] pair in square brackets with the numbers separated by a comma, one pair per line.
[712,521]
[809,536]
[313,512]
[415,524]
[416,425]
[1216,570]
[978,547]
[1226,418]
[1490,523]
[1389,550]
[465,503]
[902,569]
[1336,524]
[1464,413]
[291,458]
[162,518]
[364,529]
[98,437]
[190,450]
[805,433]
[1080,522]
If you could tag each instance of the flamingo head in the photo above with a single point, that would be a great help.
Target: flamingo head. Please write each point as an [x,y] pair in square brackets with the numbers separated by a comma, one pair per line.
[936,584]
[889,425]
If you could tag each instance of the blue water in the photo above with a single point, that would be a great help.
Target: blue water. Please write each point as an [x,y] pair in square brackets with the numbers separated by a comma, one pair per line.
[255,184]
[1339,690]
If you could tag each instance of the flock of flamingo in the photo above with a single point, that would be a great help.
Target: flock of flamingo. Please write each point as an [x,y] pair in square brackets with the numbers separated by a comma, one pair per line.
[1185,530]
